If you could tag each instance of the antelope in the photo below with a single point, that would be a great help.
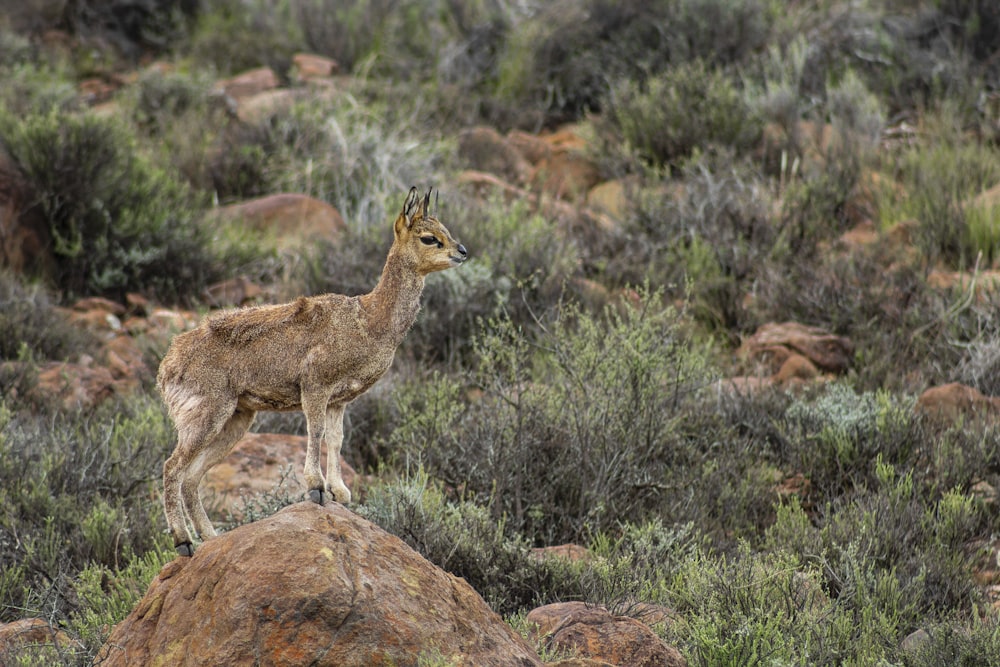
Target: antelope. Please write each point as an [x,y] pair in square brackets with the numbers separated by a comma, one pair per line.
[315,354]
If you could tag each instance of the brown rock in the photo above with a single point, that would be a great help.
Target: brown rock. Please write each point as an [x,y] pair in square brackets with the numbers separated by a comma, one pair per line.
[533,148]
[609,197]
[310,585]
[259,107]
[124,358]
[292,219]
[249,83]
[484,149]
[954,400]
[31,634]
[311,66]
[256,465]
[567,175]
[796,367]
[593,632]
[237,291]
[75,385]
[777,342]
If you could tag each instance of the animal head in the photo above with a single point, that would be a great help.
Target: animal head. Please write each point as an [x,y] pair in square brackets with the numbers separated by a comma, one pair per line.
[423,239]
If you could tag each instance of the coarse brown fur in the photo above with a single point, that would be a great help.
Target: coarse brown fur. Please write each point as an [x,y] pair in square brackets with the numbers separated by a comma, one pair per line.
[314,354]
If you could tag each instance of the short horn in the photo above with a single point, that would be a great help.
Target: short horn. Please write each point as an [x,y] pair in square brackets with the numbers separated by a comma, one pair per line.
[427,200]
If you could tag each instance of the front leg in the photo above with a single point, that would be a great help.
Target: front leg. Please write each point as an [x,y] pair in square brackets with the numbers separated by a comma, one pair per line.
[314,408]
[334,440]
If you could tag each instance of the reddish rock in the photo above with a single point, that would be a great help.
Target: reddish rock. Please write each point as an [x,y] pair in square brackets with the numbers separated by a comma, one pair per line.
[249,83]
[593,632]
[292,219]
[310,585]
[532,148]
[262,106]
[30,635]
[777,342]
[124,358]
[484,149]
[237,291]
[567,175]
[796,367]
[75,385]
[307,66]
[257,464]
[952,401]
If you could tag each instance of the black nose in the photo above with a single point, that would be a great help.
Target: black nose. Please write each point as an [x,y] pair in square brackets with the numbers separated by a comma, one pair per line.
[462,251]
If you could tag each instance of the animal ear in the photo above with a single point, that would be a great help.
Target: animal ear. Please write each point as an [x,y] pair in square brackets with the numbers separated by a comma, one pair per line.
[410,203]
[427,202]
[405,219]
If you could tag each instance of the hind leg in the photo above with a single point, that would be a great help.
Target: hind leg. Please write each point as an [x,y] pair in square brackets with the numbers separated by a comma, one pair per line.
[173,504]
[218,448]
[198,420]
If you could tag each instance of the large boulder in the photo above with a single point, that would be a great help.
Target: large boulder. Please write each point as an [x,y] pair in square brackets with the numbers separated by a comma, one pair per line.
[311,585]
[291,219]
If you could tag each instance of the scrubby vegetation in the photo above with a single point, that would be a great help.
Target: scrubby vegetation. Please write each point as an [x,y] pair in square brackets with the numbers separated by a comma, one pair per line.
[563,386]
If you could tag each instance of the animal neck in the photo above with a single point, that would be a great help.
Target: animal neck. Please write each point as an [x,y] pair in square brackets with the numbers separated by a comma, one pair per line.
[393,305]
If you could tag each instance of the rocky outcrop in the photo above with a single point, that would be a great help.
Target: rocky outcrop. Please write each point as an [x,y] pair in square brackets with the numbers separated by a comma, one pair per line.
[595,633]
[775,343]
[311,585]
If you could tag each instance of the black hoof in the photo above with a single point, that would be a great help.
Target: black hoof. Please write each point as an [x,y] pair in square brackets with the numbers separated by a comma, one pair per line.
[185,549]
[316,495]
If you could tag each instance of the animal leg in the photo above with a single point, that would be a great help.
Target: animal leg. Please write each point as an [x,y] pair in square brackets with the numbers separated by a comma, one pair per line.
[173,505]
[334,440]
[218,448]
[198,419]
[314,408]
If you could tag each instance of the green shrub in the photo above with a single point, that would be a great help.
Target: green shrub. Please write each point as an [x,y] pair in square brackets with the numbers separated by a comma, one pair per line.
[30,323]
[106,596]
[118,222]
[234,35]
[939,177]
[465,540]
[838,436]
[75,492]
[562,60]
[567,442]
[709,240]
[686,108]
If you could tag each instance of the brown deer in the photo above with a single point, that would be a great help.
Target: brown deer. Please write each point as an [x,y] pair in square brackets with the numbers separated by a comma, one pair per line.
[315,354]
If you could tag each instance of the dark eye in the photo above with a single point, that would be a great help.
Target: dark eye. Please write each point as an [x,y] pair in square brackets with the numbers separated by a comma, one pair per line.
[430,240]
